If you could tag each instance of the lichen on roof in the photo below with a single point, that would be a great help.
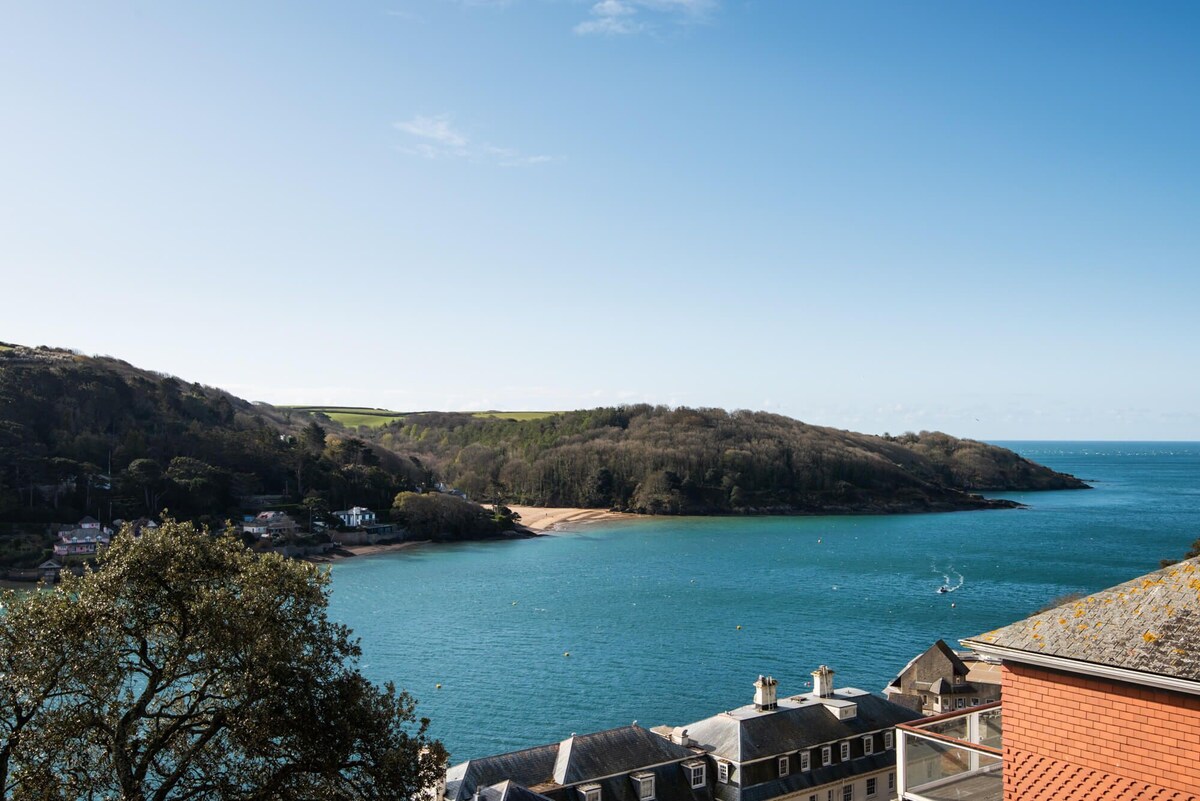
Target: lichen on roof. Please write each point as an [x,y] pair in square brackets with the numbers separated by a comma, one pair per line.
[1149,624]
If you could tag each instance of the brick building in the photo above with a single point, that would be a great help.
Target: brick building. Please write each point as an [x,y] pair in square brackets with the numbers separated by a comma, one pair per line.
[1100,702]
[1101,696]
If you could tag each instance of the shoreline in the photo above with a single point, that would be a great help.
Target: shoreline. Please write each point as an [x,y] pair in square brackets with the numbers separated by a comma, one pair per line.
[351,551]
[545,519]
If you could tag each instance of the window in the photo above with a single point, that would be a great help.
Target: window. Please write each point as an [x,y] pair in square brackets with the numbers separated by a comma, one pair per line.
[848,792]
[722,772]
[959,703]
[589,792]
[872,787]
[826,755]
[845,750]
[888,740]
[891,781]
[974,702]
[695,773]
[645,786]
[804,760]
[784,766]
[869,744]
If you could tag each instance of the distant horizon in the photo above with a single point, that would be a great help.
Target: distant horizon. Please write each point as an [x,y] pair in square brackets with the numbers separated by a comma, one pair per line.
[879,217]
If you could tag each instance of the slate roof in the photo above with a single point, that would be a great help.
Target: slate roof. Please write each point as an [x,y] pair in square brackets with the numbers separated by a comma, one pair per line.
[1150,624]
[620,750]
[528,767]
[800,722]
[575,760]
[510,791]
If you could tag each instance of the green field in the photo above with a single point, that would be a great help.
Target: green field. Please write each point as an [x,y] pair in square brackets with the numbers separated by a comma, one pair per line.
[515,415]
[353,416]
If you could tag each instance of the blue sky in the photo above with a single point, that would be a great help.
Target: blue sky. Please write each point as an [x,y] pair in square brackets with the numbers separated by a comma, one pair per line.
[980,218]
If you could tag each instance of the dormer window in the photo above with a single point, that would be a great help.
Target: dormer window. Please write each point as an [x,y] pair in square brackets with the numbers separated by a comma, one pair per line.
[888,742]
[804,760]
[785,766]
[645,786]
[723,772]
[695,773]
[826,755]
[868,744]
[589,792]
[845,751]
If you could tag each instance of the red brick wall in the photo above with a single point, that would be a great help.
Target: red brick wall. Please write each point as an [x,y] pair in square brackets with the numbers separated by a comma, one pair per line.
[1068,736]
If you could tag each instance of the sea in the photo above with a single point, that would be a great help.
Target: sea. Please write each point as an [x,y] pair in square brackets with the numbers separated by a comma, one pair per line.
[668,620]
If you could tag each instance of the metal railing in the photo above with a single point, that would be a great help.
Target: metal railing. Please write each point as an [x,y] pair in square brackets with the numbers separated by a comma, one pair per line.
[952,756]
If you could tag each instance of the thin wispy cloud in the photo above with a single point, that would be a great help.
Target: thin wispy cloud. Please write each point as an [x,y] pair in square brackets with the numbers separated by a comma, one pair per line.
[624,17]
[437,138]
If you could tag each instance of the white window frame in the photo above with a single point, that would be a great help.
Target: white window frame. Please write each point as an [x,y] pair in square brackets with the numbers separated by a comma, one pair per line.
[826,756]
[645,783]
[785,766]
[847,792]
[844,751]
[891,781]
[696,774]
[589,792]
[872,787]
[723,772]
[868,744]
[805,761]
[960,703]
[889,740]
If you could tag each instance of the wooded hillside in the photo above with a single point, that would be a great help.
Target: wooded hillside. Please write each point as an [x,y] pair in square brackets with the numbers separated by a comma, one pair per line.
[94,435]
[657,460]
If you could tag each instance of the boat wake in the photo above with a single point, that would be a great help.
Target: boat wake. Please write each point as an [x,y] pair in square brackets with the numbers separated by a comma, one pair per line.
[948,584]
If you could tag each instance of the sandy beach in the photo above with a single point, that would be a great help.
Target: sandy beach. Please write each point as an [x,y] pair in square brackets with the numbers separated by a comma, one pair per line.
[348,551]
[543,519]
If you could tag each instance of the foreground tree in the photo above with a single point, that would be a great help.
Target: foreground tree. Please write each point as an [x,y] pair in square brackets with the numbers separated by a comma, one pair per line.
[186,667]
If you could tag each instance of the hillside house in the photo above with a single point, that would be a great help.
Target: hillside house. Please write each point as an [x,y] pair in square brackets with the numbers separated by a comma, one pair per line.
[356,516]
[85,538]
[270,524]
[1101,701]
[940,680]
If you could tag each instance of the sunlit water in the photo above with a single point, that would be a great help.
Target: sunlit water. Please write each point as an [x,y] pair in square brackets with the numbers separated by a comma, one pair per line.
[649,610]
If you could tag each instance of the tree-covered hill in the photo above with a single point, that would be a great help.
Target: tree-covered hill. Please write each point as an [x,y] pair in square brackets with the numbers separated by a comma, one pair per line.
[654,459]
[94,435]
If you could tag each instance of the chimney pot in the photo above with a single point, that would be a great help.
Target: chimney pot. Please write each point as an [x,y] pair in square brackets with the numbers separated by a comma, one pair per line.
[822,682]
[764,694]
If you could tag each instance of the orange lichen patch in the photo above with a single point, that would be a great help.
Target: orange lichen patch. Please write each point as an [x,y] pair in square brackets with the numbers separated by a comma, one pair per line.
[1194,584]
[1083,626]
[1036,623]
[1062,621]
[1149,636]
[1099,623]
[1079,612]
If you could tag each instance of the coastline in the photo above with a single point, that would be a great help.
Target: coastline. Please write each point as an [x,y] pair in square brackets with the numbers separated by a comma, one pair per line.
[351,551]
[543,519]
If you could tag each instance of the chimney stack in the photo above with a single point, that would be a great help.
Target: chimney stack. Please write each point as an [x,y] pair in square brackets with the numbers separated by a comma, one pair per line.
[822,682]
[764,694]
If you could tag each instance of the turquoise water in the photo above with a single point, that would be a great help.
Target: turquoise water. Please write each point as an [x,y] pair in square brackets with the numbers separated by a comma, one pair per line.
[648,609]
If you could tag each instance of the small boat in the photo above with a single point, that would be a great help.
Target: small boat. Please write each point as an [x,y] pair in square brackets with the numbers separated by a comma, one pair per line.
[943,589]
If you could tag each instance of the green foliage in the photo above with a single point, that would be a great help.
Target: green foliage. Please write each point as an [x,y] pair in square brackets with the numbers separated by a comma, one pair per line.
[658,460]
[186,667]
[433,515]
[95,436]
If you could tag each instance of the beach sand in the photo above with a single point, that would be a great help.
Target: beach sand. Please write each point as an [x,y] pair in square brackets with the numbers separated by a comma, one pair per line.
[543,519]
[536,519]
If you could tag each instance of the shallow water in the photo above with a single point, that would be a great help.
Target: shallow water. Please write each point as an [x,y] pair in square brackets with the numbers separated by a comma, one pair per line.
[648,610]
